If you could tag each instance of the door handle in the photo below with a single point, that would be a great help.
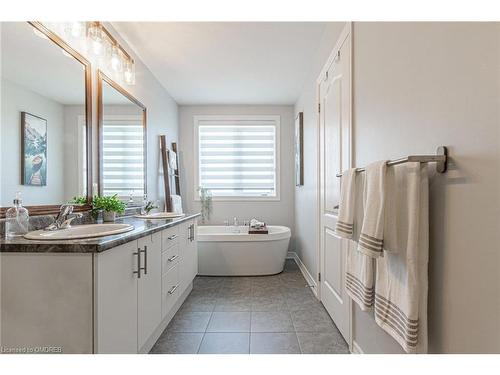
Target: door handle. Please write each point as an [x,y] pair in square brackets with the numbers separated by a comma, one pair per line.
[138,272]
[191,232]
[145,268]
[172,258]
[172,291]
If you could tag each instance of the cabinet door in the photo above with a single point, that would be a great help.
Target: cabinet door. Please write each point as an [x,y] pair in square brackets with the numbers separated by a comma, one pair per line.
[117,299]
[189,254]
[149,287]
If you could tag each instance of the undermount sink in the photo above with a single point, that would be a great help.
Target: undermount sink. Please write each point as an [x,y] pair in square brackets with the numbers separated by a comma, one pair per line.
[161,215]
[79,232]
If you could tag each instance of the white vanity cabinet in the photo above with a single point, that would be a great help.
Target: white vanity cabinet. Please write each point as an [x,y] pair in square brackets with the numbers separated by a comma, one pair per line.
[114,300]
[188,266]
[128,286]
[139,285]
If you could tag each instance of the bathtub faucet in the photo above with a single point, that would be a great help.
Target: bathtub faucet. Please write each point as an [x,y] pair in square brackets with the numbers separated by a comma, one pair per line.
[236,228]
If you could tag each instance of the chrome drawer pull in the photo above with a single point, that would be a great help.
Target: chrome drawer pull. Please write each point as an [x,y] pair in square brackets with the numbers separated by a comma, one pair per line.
[172,258]
[172,291]
[138,272]
[172,237]
[145,251]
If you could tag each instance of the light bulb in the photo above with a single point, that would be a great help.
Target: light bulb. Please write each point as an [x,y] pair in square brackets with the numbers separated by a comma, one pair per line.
[116,61]
[76,29]
[95,36]
[129,73]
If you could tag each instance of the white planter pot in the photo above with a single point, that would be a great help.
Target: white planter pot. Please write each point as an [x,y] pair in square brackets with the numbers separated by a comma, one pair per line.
[108,216]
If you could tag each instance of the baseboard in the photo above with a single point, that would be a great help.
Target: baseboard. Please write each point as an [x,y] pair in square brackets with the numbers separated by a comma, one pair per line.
[356,349]
[310,280]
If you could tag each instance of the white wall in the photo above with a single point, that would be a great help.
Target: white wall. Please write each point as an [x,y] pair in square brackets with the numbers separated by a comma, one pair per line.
[273,212]
[17,99]
[162,117]
[306,210]
[418,86]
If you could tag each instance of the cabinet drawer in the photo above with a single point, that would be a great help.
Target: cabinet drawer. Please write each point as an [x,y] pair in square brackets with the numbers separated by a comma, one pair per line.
[170,289]
[170,257]
[169,237]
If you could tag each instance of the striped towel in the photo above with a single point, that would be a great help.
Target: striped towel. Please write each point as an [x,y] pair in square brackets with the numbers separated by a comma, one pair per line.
[401,279]
[371,240]
[345,221]
[359,272]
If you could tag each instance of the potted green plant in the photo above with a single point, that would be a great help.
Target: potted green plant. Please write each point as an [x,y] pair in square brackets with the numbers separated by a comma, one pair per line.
[110,206]
[206,203]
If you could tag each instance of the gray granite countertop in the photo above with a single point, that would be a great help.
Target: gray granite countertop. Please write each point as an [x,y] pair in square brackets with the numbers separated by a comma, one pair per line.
[92,245]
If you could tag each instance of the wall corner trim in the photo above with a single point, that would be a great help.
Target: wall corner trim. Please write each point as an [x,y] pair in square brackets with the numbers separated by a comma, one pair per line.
[310,280]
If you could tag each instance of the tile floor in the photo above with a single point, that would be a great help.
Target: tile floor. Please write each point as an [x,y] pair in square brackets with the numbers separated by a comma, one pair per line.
[257,315]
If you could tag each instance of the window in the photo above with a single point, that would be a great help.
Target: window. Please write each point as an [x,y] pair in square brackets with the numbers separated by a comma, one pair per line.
[238,156]
[123,155]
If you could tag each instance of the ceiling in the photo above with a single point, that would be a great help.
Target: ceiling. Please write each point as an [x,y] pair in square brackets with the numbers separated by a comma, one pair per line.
[226,62]
[39,65]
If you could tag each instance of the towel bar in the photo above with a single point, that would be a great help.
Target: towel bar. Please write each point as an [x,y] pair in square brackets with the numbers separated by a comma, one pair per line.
[441,160]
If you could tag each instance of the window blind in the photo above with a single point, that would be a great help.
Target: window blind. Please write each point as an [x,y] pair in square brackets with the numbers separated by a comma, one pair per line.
[238,158]
[123,155]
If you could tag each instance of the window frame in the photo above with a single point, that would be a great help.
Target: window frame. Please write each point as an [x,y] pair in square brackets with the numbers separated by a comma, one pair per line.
[235,119]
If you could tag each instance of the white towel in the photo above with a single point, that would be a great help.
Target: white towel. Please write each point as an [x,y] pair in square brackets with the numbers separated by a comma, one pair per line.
[359,272]
[371,239]
[401,279]
[172,160]
[345,221]
[176,203]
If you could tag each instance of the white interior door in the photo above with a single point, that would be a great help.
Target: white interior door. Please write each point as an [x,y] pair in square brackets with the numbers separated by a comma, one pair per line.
[334,90]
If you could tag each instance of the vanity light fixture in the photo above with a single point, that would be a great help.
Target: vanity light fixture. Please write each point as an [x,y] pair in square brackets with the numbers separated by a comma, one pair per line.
[95,39]
[76,29]
[113,55]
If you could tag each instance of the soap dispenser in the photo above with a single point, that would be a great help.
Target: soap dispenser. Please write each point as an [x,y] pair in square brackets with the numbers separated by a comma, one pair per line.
[16,219]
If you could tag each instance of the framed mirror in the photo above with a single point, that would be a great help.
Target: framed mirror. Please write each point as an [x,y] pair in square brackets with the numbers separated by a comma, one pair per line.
[122,142]
[45,120]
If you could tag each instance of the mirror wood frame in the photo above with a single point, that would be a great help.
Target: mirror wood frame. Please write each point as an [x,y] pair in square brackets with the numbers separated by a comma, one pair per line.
[101,78]
[37,210]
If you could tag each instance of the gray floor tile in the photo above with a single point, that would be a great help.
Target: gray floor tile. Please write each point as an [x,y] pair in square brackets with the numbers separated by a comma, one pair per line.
[229,322]
[199,303]
[312,321]
[207,282]
[189,321]
[276,309]
[274,343]
[271,321]
[266,281]
[233,303]
[235,291]
[266,303]
[177,343]
[225,343]
[322,343]
[303,300]
[268,292]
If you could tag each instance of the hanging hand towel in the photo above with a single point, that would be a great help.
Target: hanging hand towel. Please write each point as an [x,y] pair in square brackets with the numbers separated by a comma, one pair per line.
[172,159]
[345,221]
[401,279]
[359,272]
[372,231]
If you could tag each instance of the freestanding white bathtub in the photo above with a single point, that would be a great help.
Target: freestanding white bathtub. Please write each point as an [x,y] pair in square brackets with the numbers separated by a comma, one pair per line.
[222,252]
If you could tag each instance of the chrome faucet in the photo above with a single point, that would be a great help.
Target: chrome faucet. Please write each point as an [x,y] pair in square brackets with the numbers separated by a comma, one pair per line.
[236,228]
[62,221]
